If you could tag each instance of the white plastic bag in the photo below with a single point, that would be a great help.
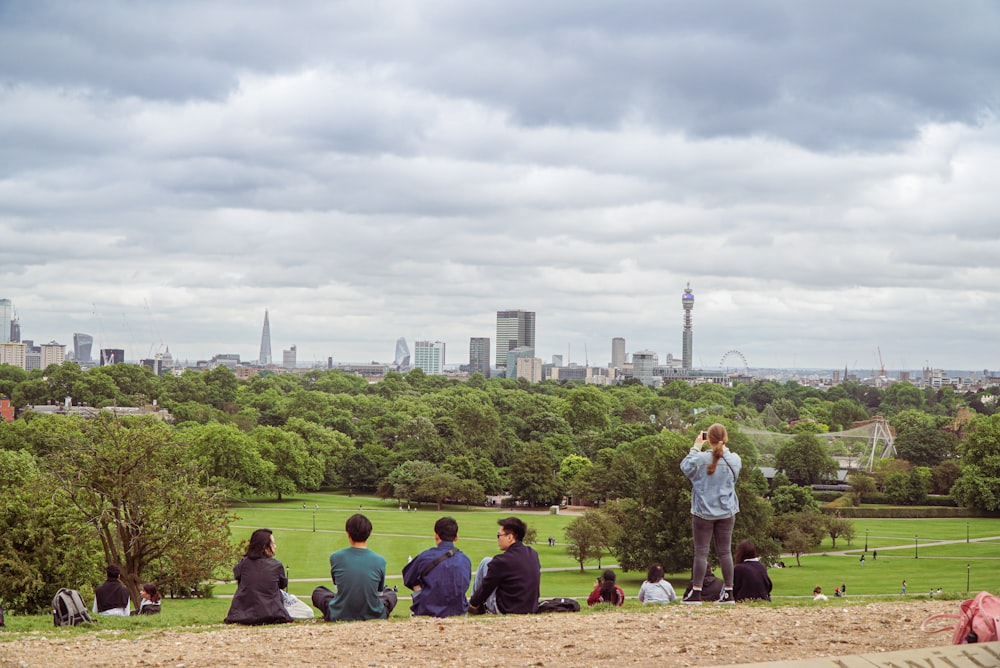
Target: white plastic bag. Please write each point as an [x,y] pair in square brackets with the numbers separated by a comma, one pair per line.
[296,608]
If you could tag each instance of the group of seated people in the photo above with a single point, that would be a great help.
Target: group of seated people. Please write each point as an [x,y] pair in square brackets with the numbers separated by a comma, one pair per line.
[439,577]
[112,598]
[750,582]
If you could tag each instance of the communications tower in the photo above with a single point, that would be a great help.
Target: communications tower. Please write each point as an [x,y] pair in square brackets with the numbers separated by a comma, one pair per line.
[687,301]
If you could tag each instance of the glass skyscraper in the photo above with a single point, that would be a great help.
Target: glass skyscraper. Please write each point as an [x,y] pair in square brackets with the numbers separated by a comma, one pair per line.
[6,315]
[515,329]
[479,355]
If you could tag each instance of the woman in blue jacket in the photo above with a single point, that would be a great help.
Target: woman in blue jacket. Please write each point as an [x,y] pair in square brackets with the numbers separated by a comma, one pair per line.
[713,474]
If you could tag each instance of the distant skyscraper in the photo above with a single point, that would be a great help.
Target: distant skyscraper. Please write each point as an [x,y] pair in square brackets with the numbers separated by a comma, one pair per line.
[83,345]
[265,342]
[6,315]
[521,352]
[479,355]
[53,353]
[429,357]
[111,356]
[515,329]
[15,329]
[402,359]
[618,353]
[289,358]
[643,363]
[687,301]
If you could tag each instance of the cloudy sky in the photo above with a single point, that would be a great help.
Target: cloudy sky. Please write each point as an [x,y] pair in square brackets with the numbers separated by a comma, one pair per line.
[825,175]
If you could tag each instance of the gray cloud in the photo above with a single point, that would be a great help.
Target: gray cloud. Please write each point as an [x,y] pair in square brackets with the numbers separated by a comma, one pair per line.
[821,174]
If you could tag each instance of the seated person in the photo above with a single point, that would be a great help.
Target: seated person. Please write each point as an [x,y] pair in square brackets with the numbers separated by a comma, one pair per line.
[112,598]
[750,579]
[606,591]
[509,582]
[439,576]
[150,603]
[655,589]
[359,575]
[818,594]
[259,581]
[711,588]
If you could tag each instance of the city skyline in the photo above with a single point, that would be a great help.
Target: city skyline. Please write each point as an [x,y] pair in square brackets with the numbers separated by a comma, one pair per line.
[818,173]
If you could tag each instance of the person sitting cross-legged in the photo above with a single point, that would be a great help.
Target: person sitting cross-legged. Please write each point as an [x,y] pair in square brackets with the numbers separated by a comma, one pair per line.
[509,582]
[439,576]
[359,575]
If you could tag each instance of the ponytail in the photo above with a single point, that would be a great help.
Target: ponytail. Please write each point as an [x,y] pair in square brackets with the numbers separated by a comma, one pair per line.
[717,436]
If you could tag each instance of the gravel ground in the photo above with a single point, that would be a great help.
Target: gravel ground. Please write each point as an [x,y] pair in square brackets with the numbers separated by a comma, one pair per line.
[674,635]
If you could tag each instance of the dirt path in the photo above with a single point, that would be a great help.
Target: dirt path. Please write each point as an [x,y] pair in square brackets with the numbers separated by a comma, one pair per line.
[670,636]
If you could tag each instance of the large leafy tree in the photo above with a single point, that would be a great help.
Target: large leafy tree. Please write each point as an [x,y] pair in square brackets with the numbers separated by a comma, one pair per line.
[979,485]
[144,500]
[925,446]
[805,460]
[534,477]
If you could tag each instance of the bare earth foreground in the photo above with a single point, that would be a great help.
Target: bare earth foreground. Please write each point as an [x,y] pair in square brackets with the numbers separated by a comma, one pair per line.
[671,636]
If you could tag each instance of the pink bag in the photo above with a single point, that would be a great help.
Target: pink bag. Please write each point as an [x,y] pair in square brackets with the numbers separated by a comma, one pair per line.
[977,621]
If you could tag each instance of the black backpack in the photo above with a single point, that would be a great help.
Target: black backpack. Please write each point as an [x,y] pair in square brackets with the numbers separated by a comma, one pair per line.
[559,605]
[68,608]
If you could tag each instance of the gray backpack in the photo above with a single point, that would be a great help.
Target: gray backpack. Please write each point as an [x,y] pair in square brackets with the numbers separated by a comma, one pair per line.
[68,608]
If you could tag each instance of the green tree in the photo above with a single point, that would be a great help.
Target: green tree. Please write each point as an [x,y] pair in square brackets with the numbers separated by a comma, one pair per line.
[130,481]
[793,499]
[533,477]
[837,527]
[925,446]
[228,457]
[295,469]
[862,485]
[43,544]
[590,536]
[805,460]
[799,532]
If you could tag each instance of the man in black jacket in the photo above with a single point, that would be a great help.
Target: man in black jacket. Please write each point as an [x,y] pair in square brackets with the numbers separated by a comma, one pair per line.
[509,582]
[111,598]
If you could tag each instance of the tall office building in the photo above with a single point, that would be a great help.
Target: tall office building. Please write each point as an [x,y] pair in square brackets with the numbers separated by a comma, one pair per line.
[515,329]
[265,343]
[643,363]
[52,353]
[618,353]
[289,358]
[15,329]
[402,359]
[429,357]
[521,352]
[83,345]
[687,301]
[6,316]
[14,354]
[479,355]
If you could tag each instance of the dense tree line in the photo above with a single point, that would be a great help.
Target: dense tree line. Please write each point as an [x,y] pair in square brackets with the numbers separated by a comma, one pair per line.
[432,439]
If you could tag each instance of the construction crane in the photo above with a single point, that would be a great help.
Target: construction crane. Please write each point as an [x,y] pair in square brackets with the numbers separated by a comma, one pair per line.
[880,362]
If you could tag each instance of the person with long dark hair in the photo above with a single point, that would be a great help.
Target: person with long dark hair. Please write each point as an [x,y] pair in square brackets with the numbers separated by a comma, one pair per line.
[259,581]
[606,591]
[750,579]
[713,475]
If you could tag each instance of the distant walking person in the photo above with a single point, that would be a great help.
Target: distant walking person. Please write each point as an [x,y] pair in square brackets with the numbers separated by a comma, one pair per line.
[903,591]
[713,475]
[874,555]
[862,560]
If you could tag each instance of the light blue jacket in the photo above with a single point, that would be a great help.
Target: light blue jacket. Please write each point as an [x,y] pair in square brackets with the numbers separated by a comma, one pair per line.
[713,497]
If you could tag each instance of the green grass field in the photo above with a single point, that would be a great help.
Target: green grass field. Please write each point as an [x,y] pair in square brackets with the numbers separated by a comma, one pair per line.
[306,537]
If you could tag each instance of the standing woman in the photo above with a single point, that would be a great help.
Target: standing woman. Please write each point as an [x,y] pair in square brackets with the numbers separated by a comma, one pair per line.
[260,578]
[714,505]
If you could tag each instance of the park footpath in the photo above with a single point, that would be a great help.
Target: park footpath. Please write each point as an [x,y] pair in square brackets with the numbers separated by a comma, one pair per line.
[983,655]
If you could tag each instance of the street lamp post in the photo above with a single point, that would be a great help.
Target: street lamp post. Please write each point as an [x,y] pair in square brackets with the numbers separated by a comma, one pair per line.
[968,577]
[915,554]
[314,522]
[866,540]
[966,532]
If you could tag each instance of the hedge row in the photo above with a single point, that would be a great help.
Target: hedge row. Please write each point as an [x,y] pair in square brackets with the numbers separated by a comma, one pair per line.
[903,512]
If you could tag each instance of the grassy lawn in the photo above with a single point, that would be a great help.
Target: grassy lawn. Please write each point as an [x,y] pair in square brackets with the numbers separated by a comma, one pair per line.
[306,537]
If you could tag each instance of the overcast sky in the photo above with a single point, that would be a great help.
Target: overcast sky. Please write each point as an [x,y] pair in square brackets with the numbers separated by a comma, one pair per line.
[826,175]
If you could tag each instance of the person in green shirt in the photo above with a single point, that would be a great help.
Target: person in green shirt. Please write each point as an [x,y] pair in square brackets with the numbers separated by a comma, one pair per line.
[359,575]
